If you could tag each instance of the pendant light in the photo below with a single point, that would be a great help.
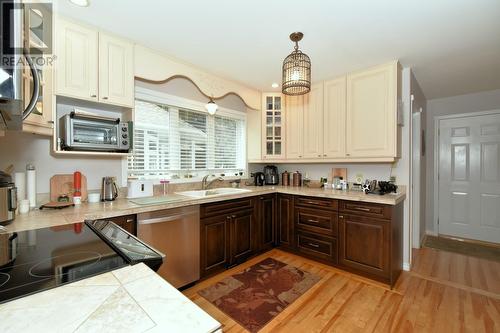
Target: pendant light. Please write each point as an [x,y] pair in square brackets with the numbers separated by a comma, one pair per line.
[296,70]
[211,106]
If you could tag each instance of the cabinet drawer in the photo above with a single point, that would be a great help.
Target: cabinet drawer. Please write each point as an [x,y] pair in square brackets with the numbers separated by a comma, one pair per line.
[317,246]
[313,202]
[316,220]
[224,207]
[366,209]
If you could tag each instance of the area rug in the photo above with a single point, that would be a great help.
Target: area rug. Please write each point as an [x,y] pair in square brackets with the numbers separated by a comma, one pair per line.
[470,249]
[256,295]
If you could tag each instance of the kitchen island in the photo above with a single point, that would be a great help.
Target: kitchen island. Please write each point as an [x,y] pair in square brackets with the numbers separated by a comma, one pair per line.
[129,299]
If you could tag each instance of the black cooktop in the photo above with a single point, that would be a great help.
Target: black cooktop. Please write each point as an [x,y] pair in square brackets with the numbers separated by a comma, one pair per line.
[36,260]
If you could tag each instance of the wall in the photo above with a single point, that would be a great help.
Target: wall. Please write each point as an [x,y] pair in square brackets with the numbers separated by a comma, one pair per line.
[20,148]
[482,101]
[419,102]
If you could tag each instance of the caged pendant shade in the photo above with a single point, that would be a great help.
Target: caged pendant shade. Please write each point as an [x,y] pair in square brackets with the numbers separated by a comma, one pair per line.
[296,70]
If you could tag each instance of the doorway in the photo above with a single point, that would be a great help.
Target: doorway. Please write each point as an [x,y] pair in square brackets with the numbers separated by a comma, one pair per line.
[468,176]
[417,177]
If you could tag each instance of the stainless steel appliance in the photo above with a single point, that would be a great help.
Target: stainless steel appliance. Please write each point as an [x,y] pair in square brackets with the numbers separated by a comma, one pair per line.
[176,233]
[81,131]
[259,179]
[109,190]
[24,29]
[272,176]
[8,199]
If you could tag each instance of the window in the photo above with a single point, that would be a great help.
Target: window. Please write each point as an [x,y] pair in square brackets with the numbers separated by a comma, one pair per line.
[172,142]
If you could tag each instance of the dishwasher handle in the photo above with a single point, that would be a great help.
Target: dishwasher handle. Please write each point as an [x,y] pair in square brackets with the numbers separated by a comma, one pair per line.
[163,219]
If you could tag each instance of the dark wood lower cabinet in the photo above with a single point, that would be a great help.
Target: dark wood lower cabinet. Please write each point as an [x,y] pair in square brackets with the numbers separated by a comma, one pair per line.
[267,221]
[228,238]
[126,222]
[365,244]
[363,238]
[214,245]
[285,221]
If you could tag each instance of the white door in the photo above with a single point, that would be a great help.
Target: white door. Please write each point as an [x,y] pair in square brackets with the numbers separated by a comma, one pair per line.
[116,71]
[334,118]
[76,66]
[469,177]
[313,123]
[294,126]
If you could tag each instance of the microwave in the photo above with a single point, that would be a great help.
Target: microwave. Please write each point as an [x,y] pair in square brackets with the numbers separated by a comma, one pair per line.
[86,132]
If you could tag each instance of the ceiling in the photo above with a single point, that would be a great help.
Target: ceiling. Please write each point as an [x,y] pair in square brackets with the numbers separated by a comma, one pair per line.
[453,46]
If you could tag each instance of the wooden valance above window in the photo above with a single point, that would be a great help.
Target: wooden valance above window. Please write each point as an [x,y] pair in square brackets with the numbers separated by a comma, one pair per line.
[152,66]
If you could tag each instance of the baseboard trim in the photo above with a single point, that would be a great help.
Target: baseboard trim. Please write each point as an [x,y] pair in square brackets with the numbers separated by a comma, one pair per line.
[431,233]
[406,266]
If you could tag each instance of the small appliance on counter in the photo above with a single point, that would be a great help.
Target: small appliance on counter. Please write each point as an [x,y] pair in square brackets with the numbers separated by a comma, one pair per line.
[109,190]
[259,179]
[139,188]
[271,174]
[8,199]
[88,132]
[45,258]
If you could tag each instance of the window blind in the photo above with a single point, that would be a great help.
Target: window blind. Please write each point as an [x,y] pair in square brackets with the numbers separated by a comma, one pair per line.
[172,142]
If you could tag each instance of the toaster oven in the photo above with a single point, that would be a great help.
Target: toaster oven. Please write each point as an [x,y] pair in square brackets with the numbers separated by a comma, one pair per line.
[81,131]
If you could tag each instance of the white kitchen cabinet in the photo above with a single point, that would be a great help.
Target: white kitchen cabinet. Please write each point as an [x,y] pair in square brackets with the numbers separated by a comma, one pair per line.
[334,117]
[294,108]
[77,60]
[313,123]
[371,118]
[116,71]
[93,66]
[273,129]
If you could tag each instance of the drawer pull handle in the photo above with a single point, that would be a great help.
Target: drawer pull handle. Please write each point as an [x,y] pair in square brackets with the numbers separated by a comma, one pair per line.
[310,202]
[363,209]
[313,245]
[313,221]
[129,220]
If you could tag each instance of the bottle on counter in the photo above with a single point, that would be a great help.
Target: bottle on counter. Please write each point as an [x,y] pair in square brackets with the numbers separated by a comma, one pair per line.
[31,184]
[77,184]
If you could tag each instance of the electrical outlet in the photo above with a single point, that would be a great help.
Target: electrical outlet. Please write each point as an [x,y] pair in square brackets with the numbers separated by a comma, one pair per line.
[393,179]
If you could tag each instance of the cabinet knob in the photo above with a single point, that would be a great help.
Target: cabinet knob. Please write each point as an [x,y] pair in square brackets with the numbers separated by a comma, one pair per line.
[341,216]
[93,95]
[300,156]
[104,97]
[319,155]
[324,155]
[347,154]
[233,216]
[129,220]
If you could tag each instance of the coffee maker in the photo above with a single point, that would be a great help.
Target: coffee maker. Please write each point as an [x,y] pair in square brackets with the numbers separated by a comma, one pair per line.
[271,175]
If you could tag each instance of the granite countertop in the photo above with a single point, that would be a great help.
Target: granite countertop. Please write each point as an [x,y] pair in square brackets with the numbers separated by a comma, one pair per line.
[48,218]
[129,299]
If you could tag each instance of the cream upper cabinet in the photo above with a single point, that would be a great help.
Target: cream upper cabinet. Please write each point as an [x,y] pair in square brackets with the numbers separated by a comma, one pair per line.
[313,122]
[371,112]
[116,71]
[76,63]
[334,114]
[273,126]
[294,126]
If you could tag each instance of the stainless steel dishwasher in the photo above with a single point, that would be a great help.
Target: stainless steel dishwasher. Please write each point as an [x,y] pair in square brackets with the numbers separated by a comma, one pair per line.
[176,233]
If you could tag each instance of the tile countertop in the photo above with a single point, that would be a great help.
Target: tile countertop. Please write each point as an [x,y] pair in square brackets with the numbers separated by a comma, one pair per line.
[49,218]
[129,299]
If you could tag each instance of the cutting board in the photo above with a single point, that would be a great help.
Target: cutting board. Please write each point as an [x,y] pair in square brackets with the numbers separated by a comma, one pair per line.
[63,184]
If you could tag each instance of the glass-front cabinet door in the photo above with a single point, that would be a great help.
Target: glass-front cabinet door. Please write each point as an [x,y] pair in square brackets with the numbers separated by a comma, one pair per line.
[273,126]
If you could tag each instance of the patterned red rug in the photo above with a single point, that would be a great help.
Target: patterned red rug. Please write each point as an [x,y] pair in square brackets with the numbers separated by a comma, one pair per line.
[259,293]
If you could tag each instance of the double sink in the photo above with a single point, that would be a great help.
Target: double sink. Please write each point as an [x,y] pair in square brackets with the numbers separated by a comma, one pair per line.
[197,194]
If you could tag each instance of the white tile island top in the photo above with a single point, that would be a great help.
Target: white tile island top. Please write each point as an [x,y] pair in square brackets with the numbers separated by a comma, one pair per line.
[129,299]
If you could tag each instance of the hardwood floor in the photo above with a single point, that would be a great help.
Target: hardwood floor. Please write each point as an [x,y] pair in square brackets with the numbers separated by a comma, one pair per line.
[436,297]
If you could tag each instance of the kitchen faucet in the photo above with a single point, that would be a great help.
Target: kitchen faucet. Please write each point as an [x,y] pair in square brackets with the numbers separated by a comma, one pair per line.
[205,184]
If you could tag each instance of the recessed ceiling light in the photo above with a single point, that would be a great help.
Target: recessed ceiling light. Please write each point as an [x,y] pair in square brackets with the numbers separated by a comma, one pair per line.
[81,3]
[275,85]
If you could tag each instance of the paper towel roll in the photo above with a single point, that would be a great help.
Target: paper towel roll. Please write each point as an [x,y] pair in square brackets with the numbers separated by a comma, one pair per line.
[31,184]
[20,181]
